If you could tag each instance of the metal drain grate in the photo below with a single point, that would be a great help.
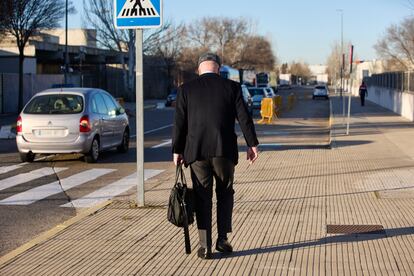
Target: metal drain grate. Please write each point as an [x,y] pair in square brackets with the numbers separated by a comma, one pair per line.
[354,229]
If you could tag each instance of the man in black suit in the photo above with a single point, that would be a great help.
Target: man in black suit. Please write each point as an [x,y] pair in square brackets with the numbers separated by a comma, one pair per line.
[204,138]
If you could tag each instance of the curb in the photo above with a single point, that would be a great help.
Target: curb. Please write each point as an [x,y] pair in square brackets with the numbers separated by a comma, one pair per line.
[4,260]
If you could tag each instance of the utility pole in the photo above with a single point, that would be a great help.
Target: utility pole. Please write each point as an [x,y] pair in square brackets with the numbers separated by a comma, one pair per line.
[342,62]
[66,45]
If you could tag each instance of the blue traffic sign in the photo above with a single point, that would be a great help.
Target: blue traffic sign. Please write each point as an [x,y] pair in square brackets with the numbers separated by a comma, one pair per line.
[138,14]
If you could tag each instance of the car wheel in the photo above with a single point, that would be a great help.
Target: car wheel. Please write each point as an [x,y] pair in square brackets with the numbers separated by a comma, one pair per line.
[327,97]
[93,154]
[124,146]
[27,157]
[313,97]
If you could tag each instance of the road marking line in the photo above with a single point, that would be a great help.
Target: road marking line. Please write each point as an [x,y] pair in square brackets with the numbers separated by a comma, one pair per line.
[11,168]
[167,142]
[157,129]
[44,191]
[26,177]
[110,191]
[270,145]
[153,130]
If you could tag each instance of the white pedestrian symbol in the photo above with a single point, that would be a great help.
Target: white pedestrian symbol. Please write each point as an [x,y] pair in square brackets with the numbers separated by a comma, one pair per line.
[138,8]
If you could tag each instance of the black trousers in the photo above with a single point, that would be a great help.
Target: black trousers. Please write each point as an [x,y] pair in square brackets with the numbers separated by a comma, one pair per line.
[202,174]
[362,100]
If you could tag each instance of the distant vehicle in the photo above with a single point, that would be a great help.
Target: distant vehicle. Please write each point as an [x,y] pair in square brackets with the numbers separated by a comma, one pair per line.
[230,73]
[270,92]
[247,98]
[285,80]
[72,120]
[284,86]
[247,77]
[320,91]
[262,79]
[257,93]
[171,98]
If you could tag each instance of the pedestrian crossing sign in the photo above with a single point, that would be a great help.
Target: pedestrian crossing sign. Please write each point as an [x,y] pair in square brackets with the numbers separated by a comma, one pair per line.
[138,14]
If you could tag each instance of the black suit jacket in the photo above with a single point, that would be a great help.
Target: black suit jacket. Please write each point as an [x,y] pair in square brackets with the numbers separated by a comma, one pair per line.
[205,114]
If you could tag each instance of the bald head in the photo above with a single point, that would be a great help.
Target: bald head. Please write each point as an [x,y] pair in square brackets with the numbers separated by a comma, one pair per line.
[208,67]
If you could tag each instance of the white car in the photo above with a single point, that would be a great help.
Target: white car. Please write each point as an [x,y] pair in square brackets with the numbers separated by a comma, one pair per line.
[320,91]
[72,120]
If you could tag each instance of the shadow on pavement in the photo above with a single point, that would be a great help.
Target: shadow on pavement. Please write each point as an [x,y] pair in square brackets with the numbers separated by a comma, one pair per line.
[341,144]
[389,233]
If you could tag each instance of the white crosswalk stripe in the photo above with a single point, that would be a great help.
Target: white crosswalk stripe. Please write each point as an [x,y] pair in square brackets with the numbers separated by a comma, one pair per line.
[27,177]
[111,190]
[42,192]
[7,169]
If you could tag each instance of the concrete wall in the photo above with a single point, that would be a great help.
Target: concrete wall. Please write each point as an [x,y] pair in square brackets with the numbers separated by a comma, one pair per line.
[11,65]
[32,84]
[401,103]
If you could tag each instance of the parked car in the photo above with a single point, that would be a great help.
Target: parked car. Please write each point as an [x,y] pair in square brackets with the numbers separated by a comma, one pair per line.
[270,92]
[284,86]
[257,93]
[171,98]
[320,91]
[247,99]
[72,120]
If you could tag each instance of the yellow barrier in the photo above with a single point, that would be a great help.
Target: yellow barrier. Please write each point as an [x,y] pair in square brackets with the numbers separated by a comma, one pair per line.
[267,111]
[291,101]
[277,105]
[270,109]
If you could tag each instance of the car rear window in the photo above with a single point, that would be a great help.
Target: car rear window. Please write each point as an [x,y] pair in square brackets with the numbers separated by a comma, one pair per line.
[320,87]
[55,104]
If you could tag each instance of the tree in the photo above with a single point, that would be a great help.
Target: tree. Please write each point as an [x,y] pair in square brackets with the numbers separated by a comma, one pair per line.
[26,17]
[397,44]
[233,40]
[334,61]
[101,18]
[171,44]
[5,10]
[284,68]
[301,70]
[256,53]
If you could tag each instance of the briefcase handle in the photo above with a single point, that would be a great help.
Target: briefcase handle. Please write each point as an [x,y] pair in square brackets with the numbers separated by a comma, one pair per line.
[179,174]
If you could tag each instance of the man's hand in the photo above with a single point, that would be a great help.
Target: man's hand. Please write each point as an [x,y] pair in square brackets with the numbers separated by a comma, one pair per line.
[178,159]
[252,154]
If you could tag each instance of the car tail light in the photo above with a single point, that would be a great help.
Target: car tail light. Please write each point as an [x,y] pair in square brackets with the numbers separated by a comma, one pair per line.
[84,124]
[19,125]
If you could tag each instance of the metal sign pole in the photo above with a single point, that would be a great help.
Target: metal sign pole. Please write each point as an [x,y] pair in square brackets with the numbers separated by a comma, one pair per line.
[351,61]
[139,92]
[349,108]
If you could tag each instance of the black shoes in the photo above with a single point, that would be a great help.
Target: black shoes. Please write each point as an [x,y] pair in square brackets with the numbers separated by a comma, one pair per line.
[224,246]
[204,253]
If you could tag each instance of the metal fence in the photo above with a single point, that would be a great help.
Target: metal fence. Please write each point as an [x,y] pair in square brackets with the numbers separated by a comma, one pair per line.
[399,81]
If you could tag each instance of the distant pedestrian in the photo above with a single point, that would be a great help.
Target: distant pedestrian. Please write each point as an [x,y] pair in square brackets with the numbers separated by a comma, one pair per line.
[363,92]
[204,138]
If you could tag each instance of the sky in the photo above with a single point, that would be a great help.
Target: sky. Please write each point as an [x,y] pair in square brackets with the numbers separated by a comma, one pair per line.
[300,30]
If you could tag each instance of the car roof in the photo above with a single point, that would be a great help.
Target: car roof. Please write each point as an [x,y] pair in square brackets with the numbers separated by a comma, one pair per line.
[75,90]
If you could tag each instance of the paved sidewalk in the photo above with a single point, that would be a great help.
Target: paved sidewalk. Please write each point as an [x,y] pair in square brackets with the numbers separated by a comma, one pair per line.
[283,205]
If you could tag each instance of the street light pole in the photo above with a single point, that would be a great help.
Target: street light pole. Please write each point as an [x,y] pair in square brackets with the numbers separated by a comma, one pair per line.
[342,61]
[66,44]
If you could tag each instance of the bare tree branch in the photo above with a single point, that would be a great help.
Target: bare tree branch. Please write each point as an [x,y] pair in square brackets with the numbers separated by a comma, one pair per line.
[397,44]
